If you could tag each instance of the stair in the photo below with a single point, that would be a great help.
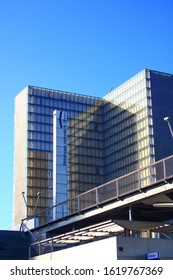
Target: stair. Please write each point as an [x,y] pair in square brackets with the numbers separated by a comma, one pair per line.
[13,245]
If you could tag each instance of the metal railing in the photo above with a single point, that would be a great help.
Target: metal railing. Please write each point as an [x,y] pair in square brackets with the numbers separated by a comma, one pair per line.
[24,228]
[158,172]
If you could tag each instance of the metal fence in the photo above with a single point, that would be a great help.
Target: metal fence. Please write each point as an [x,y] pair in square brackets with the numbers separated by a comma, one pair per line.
[130,183]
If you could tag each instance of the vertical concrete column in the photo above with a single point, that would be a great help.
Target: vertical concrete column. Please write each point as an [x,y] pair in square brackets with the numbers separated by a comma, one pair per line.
[59,164]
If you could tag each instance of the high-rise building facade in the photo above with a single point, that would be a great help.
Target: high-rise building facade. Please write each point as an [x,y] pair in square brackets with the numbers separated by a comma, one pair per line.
[59,148]
[67,143]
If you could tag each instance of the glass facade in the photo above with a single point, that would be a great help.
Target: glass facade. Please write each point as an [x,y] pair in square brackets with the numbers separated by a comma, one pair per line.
[85,151]
[162,100]
[106,138]
[129,127]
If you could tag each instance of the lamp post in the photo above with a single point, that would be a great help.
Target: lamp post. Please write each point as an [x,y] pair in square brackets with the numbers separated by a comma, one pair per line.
[23,194]
[166,204]
[36,204]
[168,120]
[38,197]
[24,199]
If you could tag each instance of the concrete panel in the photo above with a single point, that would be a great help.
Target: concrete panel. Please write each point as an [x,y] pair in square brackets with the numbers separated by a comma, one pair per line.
[98,250]
[129,248]
[114,248]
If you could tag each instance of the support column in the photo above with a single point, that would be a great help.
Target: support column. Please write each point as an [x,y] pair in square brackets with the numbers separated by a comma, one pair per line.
[59,163]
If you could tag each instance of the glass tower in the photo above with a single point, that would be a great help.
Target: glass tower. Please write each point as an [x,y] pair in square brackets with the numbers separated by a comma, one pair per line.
[129,126]
[67,143]
[43,164]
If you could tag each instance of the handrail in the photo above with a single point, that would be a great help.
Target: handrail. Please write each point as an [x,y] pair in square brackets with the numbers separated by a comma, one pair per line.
[137,180]
[22,226]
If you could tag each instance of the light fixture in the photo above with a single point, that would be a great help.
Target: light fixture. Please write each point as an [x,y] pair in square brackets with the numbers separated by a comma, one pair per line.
[163,204]
[23,194]
[168,120]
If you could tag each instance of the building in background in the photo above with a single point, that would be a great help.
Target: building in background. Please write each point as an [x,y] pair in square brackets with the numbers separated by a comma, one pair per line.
[58,137]
[67,143]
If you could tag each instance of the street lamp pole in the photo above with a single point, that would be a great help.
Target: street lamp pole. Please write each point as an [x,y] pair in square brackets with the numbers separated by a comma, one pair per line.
[170,203]
[36,204]
[168,120]
[38,197]
[23,194]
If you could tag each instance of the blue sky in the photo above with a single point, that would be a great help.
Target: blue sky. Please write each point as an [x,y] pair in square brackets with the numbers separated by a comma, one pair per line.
[82,46]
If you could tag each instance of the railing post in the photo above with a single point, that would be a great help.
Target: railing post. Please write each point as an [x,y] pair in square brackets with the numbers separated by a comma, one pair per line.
[49,214]
[97,197]
[52,246]
[62,210]
[164,169]
[29,252]
[139,180]
[78,203]
[117,189]
[39,250]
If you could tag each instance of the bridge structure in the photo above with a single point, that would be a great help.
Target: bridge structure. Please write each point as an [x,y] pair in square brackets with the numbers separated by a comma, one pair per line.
[141,201]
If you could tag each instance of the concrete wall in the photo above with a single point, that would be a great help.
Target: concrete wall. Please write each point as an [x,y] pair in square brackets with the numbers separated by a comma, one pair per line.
[99,250]
[111,249]
[129,248]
